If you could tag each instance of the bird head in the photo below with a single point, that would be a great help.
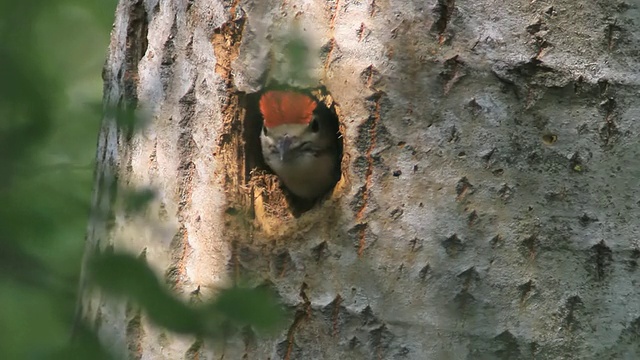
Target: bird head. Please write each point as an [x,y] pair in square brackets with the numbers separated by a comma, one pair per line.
[290,125]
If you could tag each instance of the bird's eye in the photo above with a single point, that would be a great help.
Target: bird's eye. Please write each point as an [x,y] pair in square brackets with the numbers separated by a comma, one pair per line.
[315,126]
[264,130]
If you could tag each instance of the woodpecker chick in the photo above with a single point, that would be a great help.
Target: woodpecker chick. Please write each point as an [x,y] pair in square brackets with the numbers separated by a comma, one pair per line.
[299,144]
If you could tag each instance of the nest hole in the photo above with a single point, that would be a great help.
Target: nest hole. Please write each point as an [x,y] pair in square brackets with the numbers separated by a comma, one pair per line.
[275,196]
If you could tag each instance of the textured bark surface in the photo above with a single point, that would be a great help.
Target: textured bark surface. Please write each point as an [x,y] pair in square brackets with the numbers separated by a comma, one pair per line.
[488,204]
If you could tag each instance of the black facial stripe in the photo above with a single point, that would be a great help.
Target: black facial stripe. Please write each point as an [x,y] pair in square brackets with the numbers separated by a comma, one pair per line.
[316,151]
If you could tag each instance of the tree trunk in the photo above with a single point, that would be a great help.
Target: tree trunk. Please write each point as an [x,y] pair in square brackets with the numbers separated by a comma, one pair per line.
[486,208]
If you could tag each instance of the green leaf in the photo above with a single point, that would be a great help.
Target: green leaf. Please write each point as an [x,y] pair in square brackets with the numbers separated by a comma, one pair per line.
[137,200]
[125,275]
[257,307]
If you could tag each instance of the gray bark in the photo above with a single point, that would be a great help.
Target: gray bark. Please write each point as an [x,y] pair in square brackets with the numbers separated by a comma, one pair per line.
[488,204]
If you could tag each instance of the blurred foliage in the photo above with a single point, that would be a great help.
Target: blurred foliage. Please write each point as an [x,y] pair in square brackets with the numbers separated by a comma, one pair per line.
[125,275]
[51,58]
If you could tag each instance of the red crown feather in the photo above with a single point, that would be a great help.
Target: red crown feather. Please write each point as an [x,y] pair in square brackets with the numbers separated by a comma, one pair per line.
[286,107]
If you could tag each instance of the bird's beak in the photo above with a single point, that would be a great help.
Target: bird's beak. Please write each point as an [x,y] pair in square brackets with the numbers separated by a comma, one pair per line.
[283,146]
